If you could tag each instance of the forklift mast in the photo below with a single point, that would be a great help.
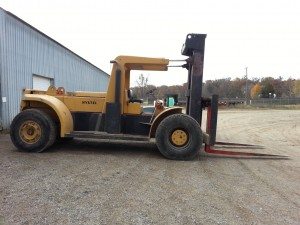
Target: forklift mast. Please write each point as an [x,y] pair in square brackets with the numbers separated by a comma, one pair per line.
[194,48]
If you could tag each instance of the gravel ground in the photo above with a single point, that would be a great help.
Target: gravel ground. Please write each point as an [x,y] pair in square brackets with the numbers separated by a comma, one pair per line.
[89,182]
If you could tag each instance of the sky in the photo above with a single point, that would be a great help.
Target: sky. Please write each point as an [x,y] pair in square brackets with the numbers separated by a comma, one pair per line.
[261,35]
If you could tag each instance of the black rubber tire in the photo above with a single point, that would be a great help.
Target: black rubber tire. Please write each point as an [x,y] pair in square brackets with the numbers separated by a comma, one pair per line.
[166,128]
[46,123]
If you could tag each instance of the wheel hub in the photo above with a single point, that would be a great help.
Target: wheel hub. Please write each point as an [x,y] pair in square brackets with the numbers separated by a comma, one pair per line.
[179,137]
[30,132]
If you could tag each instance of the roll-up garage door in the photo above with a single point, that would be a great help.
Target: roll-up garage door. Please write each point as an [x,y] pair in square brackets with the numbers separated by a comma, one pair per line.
[40,82]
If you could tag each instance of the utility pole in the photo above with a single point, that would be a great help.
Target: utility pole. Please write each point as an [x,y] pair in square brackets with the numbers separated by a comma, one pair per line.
[246,89]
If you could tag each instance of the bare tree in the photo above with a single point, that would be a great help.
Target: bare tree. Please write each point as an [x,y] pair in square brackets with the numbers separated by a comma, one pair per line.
[142,83]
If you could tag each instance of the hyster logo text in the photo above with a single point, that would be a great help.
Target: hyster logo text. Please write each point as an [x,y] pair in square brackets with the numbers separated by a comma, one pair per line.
[89,102]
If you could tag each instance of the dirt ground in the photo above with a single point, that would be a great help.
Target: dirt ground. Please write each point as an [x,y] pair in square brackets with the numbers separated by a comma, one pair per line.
[89,182]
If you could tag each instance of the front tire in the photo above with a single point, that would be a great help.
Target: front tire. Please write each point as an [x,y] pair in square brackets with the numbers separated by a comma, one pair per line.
[33,130]
[179,137]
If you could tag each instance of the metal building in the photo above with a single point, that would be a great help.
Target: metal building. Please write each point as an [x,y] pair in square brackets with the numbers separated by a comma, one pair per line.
[31,59]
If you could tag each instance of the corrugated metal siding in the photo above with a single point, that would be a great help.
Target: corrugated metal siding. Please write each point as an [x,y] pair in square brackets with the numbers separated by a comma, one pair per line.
[1,63]
[25,51]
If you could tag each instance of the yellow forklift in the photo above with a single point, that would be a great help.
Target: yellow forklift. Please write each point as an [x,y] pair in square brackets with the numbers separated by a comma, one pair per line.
[115,115]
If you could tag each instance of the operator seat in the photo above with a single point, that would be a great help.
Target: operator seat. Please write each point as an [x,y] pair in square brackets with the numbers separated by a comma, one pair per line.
[131,99]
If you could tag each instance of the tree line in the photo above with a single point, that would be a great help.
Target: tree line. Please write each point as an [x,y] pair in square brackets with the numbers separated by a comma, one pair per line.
[266,87]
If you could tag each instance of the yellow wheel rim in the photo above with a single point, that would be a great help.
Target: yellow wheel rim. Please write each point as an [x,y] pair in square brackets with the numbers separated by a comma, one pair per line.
[179,137]
[30,132]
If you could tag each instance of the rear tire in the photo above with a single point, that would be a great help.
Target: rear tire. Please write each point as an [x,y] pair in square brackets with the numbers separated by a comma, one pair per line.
[179,137]
[33,130]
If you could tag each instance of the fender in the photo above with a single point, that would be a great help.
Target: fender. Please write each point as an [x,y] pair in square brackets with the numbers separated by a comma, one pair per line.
[160,117]
[61,110]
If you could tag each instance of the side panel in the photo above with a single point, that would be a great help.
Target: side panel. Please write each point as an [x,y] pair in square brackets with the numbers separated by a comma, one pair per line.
[86,121]
[136,124]
[160,117]
[63,113]
[83,104]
